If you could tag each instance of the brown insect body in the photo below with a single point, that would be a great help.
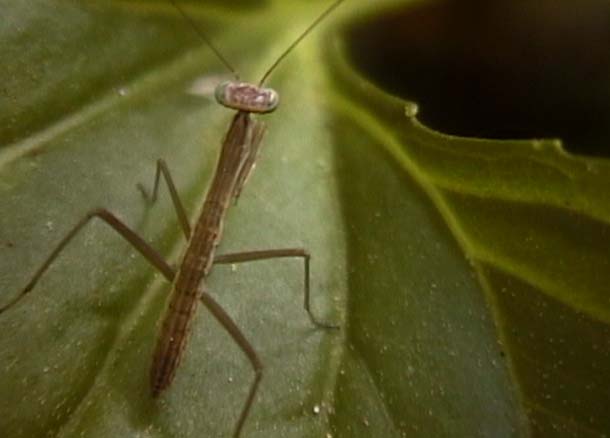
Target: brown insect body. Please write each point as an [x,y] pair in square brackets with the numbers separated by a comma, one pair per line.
[240,142]
[237,157]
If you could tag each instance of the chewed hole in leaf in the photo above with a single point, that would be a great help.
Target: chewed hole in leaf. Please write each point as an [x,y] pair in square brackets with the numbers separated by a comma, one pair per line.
[498,69]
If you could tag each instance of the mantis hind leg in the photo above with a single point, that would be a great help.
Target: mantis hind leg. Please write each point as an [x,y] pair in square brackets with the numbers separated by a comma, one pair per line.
[128,234]
[229,325]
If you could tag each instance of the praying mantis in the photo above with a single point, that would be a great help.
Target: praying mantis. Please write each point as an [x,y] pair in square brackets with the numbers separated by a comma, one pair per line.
[239,152]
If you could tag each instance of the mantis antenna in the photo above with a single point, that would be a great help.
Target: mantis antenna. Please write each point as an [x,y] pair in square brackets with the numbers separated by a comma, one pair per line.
[203,36]
[291,47]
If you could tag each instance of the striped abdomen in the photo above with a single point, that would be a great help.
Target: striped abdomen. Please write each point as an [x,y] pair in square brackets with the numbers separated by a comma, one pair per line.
[197,261]
[172,340]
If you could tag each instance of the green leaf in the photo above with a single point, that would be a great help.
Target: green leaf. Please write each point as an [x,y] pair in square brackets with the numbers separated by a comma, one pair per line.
[469,276]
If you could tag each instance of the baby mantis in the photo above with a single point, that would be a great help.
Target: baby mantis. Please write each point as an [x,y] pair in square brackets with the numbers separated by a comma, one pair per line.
[238,154]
